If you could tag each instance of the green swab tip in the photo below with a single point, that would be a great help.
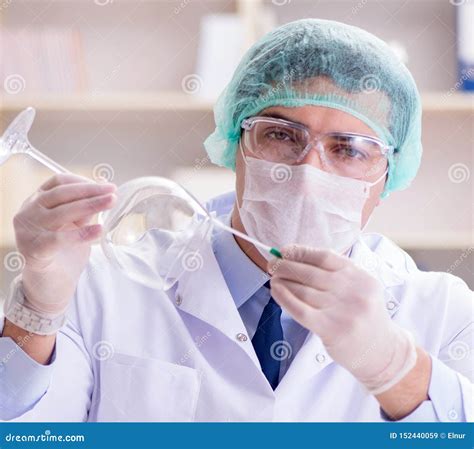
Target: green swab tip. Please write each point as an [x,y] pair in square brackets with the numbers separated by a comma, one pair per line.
[276,253]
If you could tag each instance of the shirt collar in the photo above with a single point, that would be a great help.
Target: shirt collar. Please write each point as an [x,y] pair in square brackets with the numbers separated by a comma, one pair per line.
[242,276]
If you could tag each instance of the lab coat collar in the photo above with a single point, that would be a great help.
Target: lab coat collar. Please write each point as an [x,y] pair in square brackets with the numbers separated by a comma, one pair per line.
[204,294]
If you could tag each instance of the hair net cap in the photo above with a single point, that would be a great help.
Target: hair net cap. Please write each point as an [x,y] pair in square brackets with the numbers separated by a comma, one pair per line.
[324,63]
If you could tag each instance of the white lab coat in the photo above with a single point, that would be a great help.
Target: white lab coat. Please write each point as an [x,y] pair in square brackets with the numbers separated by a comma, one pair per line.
[133,354]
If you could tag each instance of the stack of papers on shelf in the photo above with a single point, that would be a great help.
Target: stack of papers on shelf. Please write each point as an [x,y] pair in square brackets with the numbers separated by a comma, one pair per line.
[44,60]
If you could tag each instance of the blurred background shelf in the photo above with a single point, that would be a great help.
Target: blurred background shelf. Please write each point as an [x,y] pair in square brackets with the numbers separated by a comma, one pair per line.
[119,101]
[179,101]
[447,102]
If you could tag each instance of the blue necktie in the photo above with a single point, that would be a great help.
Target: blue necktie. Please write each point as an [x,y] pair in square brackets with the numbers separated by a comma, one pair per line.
[268,333]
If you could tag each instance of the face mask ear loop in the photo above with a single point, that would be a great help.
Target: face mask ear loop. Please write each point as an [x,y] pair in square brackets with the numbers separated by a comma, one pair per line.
[369,185]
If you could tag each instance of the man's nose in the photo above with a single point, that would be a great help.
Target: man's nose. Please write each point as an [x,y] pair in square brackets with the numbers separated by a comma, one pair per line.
[313,157]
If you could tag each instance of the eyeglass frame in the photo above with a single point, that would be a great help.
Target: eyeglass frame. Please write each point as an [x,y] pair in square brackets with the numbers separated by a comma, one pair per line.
[247,124]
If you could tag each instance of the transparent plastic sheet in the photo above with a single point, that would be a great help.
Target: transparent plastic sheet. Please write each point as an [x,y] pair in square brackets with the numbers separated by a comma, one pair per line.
[155,231]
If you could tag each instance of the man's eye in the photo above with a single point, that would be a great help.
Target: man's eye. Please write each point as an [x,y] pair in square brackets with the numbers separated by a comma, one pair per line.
[348,151]
[279,135]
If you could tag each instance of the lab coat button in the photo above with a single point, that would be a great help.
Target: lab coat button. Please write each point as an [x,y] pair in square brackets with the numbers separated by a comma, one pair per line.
[390,305]
[241,337]
[320,358]
[179,300]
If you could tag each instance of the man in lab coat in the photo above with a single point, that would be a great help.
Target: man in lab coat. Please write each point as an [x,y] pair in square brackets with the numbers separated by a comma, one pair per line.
[343,328]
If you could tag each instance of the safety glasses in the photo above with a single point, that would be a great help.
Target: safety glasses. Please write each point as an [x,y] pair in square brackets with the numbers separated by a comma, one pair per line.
[346,154]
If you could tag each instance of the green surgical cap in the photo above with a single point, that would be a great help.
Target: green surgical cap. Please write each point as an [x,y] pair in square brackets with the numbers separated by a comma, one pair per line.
[324,63]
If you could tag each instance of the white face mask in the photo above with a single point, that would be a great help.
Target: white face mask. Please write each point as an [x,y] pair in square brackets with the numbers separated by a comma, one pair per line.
[301,204]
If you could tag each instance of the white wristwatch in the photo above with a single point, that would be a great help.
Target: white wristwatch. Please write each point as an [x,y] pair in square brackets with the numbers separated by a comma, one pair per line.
[22,316]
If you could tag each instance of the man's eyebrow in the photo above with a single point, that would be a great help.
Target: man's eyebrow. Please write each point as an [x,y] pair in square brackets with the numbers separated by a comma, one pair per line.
[280,116]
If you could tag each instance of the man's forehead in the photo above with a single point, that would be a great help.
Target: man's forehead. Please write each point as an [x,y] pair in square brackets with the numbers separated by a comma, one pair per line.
[319,118]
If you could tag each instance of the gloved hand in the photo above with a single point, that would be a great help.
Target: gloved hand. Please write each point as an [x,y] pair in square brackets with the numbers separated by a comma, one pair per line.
[54,235]
[341,303]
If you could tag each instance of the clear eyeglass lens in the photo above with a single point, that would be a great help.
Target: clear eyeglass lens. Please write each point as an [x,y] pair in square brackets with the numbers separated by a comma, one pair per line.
[353,156]
[345,155]
[276,142]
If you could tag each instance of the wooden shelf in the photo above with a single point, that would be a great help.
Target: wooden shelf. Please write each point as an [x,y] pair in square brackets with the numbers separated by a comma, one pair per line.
[126,101]
[179,101]
[435,241]
[447,102]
